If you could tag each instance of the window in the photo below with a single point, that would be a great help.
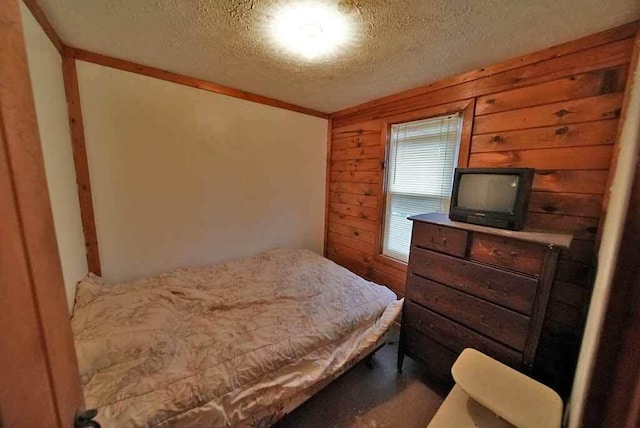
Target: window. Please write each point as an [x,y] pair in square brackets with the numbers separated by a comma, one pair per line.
[422,158]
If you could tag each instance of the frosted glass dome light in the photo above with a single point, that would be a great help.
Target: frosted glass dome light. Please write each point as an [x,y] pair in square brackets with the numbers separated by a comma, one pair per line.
[311,30]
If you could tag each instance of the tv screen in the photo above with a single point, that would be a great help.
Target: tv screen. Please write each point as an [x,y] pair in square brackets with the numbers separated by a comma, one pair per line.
[495,197]
[488,192]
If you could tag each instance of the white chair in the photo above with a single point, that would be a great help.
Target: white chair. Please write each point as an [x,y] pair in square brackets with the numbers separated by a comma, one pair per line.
[489,394]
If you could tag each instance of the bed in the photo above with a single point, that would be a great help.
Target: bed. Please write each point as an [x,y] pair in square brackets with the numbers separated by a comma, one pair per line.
[234,344]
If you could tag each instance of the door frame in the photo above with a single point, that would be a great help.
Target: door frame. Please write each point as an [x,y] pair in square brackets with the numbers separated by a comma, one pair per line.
[40,381]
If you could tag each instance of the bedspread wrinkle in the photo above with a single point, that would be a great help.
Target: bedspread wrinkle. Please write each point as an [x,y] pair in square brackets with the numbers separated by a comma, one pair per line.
[233,344]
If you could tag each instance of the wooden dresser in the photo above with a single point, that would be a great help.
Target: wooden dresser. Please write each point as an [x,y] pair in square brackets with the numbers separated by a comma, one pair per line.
[478,287]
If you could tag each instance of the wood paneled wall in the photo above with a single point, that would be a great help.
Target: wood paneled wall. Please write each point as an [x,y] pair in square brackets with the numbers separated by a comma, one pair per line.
[555,110]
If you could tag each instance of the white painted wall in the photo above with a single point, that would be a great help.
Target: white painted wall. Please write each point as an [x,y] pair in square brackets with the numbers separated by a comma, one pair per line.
[184,177]
[45,69]
[609,247]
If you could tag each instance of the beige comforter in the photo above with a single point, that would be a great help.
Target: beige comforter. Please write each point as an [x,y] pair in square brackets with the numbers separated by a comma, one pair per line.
[235,344]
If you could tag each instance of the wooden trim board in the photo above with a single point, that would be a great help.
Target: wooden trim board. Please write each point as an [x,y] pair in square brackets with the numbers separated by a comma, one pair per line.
[327,189]
[81,162]
[38,365]
[616,147]
[48,29]
[120,64]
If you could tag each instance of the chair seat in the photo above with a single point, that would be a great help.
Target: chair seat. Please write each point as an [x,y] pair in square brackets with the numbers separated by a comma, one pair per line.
[489,394]
[508,393]
[461,411]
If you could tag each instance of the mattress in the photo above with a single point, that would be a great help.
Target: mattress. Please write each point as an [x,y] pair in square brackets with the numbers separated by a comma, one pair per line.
[234,344]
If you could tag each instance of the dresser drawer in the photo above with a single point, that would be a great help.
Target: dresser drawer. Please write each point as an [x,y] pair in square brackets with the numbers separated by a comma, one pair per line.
[499,323]
[437,358]
[520,256]
[440,238]
[505,288]
[455,336]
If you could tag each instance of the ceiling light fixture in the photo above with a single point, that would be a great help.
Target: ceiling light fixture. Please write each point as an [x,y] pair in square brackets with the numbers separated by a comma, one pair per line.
[310,29]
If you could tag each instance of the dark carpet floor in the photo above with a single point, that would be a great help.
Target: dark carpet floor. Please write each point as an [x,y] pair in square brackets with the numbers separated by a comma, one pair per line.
[377,397]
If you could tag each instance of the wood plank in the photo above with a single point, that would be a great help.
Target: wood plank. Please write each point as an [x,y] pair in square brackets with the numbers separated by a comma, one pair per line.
[564,314]
[582,85]
[356,165]
[595,133]
[567,181]
[574,272]
[354,244]
[585,43]
[349,264]
[346,252]
[358,128]
[607,56]
[370,152]
[566,158]
[351,199]
[581,227]
[359,223]
[354,210]
[566,204]
[601,107]
[120,64]
[352,232]
[360,140]
[365,189]
[81,163]
[373,177]
[48,29]
[389,269]
[383,278]
[569,293]
[580,251]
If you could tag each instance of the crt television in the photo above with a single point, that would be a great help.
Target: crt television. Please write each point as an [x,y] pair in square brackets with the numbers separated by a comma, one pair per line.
[496,197]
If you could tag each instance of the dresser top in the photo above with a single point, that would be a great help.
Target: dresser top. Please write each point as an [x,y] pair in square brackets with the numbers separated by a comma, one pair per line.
[562,240]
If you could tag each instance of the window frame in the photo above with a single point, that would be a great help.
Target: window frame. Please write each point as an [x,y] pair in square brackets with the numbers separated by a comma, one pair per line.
[466,109]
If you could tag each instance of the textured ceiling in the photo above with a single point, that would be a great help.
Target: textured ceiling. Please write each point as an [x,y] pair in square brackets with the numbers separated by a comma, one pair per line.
[398,44]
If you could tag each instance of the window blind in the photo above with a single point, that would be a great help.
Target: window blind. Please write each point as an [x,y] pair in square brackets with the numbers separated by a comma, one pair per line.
[422,157]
